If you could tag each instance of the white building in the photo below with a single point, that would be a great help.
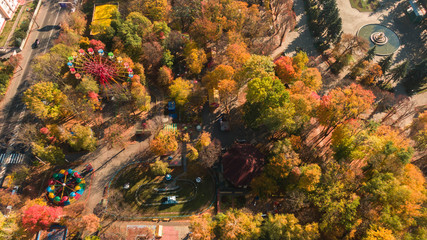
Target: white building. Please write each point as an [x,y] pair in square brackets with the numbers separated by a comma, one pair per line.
[7,9]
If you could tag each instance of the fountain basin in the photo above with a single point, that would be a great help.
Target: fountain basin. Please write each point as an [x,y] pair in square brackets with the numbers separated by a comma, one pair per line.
[385,40]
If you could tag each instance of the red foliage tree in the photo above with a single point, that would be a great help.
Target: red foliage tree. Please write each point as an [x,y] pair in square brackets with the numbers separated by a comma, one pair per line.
[285,70]
[96,45]
[38,217]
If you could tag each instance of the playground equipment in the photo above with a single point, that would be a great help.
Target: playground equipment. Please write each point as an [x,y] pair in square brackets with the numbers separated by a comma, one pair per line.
[65,187]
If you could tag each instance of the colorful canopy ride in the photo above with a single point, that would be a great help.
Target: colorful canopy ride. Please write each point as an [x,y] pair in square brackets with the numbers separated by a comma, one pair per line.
[65,187]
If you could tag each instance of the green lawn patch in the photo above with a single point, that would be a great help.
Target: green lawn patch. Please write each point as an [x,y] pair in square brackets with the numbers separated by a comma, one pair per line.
[364,5]
[195,196]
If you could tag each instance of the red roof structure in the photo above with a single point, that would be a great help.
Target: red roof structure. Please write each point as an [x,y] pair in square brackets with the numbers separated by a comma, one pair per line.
[241,164]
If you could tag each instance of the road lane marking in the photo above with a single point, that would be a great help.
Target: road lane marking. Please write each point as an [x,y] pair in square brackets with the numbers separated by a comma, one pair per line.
[51,32]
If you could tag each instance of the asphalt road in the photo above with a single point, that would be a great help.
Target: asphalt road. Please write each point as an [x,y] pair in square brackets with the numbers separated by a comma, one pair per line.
[12,109]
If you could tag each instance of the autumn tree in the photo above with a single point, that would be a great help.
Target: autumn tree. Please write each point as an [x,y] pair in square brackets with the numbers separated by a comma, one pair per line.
[8,199]
[388,151]
[290,69]
[48,67]
[236,224]
[227,93]
[283,159]
[186,12]
[192,153]
[350,46]
[180,91]
[373,73]
[90,223]
[348,141]
[237,54]
[278,227]
[165,142]
[88,84]
[209,155]
[156,9]
[140,96]
[343,104]
[204,31]
[221,72]
[39,217]
[337,205]
[204,140]
[10,228]
[48,153]
[419,131]
[256,67]
[312,78]
[264,185]
[395,201]
[77,21]
[268,104]
[165,77]
[160,168]
[310,176]
[202,227]
[46,101]
[196,59]
[152,54]
[285,70]
[82,138]
[379,233]
[305,102]
[359,69]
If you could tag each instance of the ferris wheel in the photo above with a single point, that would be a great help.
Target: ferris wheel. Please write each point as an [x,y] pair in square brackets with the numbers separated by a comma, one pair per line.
[106,69]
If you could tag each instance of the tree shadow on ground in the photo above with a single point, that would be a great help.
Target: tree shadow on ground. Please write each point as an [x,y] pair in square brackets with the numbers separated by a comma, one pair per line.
[304,39]
[411,36]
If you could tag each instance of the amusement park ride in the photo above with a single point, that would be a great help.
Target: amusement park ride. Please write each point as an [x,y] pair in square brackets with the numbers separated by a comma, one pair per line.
[105,69]
[67,186]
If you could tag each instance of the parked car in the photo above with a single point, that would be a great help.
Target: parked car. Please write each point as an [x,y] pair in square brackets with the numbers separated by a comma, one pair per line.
[224,123]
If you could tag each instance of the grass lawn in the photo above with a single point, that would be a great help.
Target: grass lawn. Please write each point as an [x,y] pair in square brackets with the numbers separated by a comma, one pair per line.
[364,5]
[8,27]
[102,16]
[123,203]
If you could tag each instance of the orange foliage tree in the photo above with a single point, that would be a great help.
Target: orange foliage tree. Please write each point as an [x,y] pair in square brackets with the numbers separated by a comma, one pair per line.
[227,93]
[373,73]
[212,78]
[7,199]
[343,104]
[237,54]
[165,142]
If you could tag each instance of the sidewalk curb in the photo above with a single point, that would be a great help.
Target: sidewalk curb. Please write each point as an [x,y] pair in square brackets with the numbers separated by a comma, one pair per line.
[33,18]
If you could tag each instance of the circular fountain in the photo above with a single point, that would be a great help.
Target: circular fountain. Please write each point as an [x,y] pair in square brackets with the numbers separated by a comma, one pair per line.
[384,39]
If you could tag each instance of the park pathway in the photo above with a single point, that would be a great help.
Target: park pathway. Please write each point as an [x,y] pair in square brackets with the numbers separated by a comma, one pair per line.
[300,37]
[105,163]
